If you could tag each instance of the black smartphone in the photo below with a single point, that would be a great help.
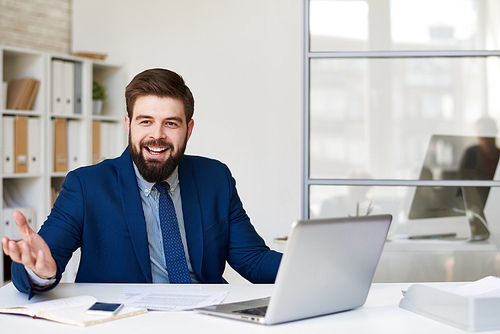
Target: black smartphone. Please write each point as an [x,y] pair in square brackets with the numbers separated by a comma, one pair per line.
[100,308]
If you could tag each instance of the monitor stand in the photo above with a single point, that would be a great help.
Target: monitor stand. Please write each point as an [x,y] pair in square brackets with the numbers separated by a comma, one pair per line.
[474,212]
[478,229]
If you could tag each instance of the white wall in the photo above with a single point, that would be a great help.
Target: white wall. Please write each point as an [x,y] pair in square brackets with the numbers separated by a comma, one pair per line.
[243,61]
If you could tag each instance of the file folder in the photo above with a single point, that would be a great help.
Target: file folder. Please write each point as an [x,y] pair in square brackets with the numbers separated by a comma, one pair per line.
[10,229]
[34,135]
[57,86]
[8,144]
[60,145]
[78,96]
[21,144]
[96,142]
[75,158]
[69,87]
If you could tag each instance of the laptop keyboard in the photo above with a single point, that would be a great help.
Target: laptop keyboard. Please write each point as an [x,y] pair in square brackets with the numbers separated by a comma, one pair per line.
[254,311]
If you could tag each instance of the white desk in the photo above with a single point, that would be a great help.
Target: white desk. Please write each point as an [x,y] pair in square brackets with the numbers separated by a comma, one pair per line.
[380,314]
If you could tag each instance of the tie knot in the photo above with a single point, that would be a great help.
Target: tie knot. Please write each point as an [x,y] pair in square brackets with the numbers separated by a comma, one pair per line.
[162,187]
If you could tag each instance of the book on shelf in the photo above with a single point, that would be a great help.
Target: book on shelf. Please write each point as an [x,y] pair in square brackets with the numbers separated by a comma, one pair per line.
[21,93]
[70,310]
[469,306]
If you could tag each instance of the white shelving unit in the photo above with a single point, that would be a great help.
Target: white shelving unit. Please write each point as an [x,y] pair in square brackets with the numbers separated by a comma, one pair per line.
[34,189]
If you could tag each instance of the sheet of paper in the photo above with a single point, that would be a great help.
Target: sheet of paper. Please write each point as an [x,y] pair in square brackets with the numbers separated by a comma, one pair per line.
[483,288]
[170,298]
[61,303]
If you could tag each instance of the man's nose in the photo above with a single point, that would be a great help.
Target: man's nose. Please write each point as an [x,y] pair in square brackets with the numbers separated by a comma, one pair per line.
[158,132]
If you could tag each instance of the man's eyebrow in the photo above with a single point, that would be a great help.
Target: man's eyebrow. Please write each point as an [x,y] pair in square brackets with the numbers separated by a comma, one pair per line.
[139,117]
[174,118]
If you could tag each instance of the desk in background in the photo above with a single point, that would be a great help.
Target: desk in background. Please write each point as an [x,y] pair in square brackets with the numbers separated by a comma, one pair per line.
[380,314]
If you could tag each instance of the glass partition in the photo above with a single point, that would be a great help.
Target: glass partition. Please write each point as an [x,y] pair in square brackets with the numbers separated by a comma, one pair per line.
[382,25]
[376,116]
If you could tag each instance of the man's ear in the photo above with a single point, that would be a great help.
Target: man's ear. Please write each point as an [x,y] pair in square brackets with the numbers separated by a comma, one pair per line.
[127,124]
[190,128]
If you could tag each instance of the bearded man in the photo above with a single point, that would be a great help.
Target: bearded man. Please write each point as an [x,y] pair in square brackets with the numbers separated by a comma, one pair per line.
[152,215]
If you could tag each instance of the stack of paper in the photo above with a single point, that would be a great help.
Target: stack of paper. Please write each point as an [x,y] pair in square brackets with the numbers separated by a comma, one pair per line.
[473,306]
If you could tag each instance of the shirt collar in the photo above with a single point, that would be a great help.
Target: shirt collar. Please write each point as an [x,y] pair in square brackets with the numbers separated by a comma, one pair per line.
[145,187]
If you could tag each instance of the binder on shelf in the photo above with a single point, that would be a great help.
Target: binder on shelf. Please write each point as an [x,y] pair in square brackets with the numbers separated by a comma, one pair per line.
[60,145]
[21,144]
[34,144]
[96,142]
[75,158]
[10,229]
[57,86]
[8,144]
[78,97]
[106,145]
[69,87]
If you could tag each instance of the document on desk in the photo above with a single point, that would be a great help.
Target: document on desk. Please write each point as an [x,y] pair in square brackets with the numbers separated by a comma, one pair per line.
[170,298]
[472,306]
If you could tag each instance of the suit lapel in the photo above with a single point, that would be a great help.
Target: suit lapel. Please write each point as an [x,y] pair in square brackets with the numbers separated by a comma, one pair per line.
[192,215]
[134,215]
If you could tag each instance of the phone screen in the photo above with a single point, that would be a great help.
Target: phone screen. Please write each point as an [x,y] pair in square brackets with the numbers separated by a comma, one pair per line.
[100,308]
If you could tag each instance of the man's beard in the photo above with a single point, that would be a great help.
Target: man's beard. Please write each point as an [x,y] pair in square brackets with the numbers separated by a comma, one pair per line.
[153,170]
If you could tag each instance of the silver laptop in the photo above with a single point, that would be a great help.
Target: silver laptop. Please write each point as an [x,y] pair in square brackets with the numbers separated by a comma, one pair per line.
[327,267]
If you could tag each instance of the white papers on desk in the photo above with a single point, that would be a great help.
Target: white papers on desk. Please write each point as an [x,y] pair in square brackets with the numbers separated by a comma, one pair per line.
[171,298]
[473,306]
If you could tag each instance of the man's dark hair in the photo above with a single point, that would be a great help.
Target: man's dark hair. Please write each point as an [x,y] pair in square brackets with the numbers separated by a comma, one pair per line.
[161,83]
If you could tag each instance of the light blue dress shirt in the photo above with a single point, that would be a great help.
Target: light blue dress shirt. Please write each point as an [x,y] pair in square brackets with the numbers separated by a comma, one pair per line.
[150,198]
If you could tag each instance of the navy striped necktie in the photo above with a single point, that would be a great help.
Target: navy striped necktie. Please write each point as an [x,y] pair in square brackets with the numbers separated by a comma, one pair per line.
[172,243]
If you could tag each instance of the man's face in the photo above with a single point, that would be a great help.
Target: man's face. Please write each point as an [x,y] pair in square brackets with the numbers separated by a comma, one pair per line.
[158,134]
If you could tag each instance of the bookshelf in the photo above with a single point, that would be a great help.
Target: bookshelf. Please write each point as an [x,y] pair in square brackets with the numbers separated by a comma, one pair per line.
[64,97]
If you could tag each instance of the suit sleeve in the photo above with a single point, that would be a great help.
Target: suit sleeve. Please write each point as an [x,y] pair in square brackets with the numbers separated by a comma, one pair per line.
[61,231]
[248,254]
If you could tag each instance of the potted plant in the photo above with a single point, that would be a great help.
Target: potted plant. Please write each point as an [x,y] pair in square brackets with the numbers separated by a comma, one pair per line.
[98,96]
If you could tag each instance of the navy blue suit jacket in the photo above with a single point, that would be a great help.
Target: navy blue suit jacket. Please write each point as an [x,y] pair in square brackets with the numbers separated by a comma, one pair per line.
[100,210]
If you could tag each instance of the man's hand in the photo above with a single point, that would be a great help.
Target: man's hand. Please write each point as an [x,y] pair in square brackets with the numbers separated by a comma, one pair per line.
[32,251]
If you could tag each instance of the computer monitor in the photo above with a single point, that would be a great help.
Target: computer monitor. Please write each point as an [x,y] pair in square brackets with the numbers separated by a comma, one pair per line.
[456,158]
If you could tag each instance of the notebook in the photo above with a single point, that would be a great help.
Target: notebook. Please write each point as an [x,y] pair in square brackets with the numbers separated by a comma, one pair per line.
[327,267]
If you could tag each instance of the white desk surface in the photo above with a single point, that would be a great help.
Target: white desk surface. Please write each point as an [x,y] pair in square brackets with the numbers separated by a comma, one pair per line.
[380,314]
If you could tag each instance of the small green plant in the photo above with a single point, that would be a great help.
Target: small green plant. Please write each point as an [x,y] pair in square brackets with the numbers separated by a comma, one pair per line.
[98,91]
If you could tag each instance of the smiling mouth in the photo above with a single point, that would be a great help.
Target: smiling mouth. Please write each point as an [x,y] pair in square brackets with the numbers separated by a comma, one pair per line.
[156,150]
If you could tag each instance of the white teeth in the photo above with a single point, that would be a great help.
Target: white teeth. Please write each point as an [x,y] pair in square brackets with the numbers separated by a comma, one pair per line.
[156,150]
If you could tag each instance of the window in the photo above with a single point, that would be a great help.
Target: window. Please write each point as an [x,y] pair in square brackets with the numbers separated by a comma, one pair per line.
[391,84]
